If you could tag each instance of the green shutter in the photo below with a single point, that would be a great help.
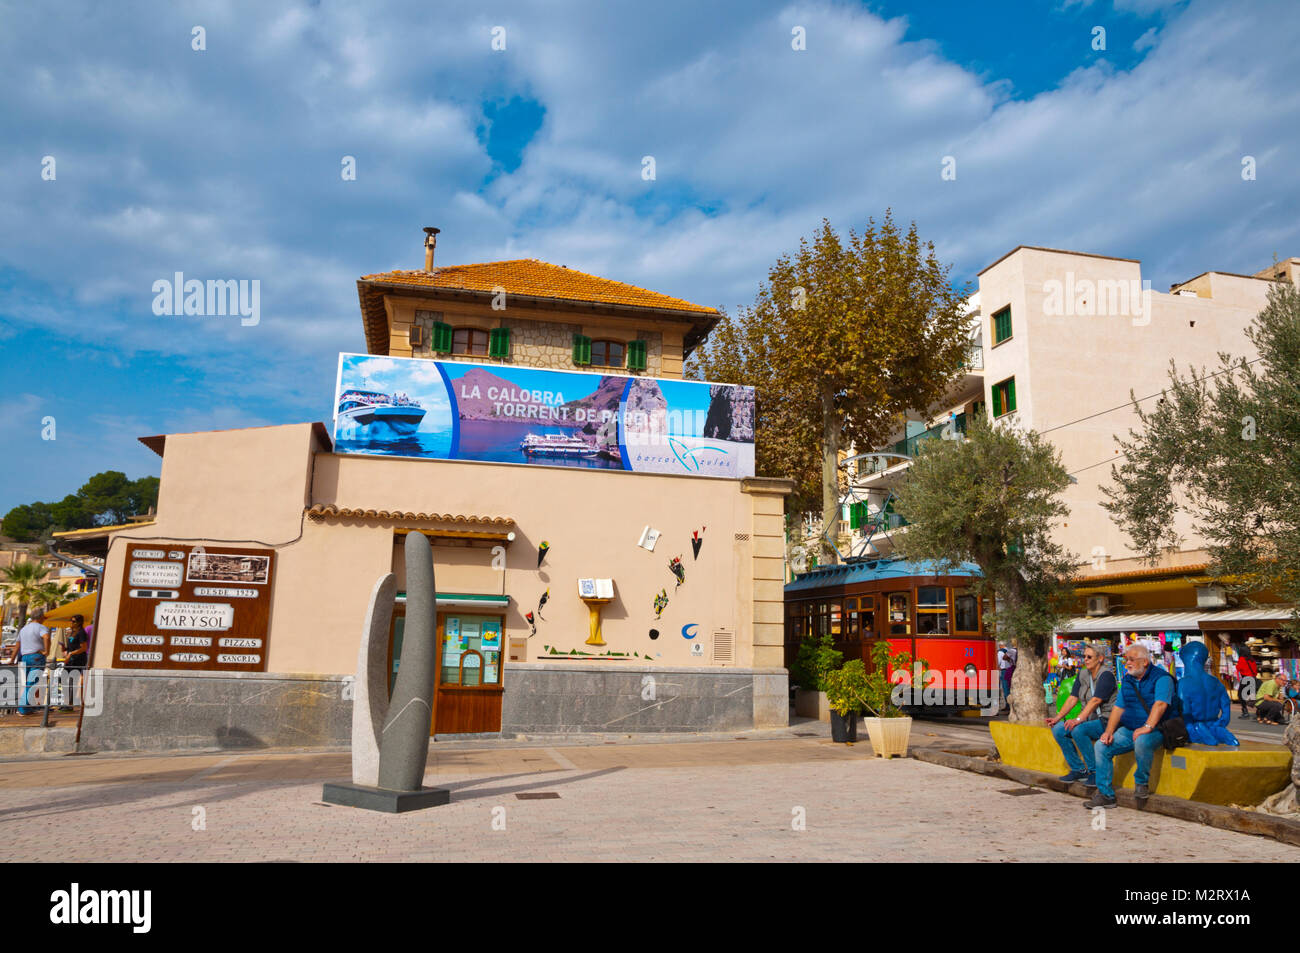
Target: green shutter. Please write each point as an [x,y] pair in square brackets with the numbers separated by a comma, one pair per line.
[1011,395]
[1002,325]
[636,351]
[581,349]
[441,338]
[499,342]
[997,400]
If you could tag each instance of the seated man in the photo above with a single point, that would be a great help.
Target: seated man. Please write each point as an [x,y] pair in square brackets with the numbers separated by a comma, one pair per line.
[1268,707]
[1095,687]
[1207,709]
[1143,703]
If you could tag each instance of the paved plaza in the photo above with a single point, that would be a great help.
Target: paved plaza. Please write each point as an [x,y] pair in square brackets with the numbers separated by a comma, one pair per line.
[753,798]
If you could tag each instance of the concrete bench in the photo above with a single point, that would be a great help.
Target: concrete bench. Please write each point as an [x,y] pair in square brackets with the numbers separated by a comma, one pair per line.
[1212,775]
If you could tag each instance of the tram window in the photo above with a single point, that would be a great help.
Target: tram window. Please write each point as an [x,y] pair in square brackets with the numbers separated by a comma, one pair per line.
[851,619]
[837,614]
[967,613]
[867,617]
[931,623]
[899,613]
[932,597]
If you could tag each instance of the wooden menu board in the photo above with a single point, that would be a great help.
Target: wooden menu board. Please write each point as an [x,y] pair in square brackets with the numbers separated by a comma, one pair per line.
[194,607]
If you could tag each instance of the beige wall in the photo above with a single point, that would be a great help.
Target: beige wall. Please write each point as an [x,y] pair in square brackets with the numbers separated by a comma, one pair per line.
[251,486]
[1068,366]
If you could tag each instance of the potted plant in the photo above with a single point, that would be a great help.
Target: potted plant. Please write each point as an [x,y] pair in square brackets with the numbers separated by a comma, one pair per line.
[845,690]
[817,658]
[887,726]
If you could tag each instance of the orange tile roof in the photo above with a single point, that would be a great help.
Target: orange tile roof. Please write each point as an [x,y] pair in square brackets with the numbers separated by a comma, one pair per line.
[538,279]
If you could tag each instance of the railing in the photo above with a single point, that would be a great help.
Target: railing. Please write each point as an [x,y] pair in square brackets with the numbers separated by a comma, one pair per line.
[974,359]
[910,445]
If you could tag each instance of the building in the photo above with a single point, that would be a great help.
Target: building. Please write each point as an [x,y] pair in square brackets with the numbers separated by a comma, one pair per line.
[234,619]
[1059,340]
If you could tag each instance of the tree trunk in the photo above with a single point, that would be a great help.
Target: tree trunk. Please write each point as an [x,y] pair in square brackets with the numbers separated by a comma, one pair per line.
[1286,801]
[830,477]
[1028,704]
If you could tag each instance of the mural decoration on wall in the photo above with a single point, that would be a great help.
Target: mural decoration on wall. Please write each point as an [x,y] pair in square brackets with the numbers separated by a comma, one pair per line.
[552,650]
[687,632]
[697,540]
[541,552]
[649,536]
[541,602]
[678,570]
[455,410]
[661,602]
[654,634]
[532,623]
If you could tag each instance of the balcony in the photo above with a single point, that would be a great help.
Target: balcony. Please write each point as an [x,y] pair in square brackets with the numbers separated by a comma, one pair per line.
[910,445]
[974,359]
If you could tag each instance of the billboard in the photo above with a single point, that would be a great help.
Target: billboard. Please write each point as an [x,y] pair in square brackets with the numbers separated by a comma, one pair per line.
[453,410]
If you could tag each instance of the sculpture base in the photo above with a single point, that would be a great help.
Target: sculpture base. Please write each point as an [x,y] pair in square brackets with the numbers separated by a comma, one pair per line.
[379,799]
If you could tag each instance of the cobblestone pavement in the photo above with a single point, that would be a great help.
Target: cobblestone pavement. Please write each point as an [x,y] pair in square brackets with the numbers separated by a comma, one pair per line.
[715,800]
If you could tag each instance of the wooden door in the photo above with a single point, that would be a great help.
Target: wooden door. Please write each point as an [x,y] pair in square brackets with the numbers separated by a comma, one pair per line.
[470,673]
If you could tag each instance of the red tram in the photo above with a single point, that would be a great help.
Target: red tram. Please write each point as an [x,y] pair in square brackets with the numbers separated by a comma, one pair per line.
[933,617]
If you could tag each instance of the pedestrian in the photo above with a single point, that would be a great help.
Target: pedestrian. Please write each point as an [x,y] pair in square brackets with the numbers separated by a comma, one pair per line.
[75,646]
[33,647]
[1006,666]
[1268,707]
[1144,702]
[1247,679]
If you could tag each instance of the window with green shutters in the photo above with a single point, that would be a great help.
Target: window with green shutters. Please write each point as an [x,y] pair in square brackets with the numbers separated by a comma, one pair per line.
[858,515]
[440,338]
[1004,397]
[1001,325]
[636,355]
[499,342]
[581,350]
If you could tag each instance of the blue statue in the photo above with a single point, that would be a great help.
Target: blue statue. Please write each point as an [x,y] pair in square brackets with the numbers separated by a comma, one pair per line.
[1206,706]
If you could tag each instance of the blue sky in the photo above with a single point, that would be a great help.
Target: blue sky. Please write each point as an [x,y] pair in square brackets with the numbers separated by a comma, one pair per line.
[225,163]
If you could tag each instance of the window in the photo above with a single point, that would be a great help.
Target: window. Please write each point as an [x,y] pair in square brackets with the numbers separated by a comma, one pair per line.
[581,350]
[499,342]
[471,650]
[967,612]
[931,610]
[899,613]
[1004,397]
[470,341]
[851,619]
[836,616]
[1001,325]
[867,617]
[636,355]
[607,353]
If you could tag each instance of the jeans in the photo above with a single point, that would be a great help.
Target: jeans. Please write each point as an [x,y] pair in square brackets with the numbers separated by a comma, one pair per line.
[1006,682]
[35,663]
[1146,747]
[1079,741]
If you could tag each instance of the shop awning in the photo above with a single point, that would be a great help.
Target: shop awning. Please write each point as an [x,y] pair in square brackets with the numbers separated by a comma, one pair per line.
[1175,620]
[84,607]
[464,600]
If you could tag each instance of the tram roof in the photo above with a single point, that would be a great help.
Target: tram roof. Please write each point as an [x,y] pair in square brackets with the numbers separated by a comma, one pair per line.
[875,570]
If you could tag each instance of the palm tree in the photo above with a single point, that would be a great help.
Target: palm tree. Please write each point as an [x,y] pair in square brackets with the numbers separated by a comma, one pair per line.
[23,583]
[51,595]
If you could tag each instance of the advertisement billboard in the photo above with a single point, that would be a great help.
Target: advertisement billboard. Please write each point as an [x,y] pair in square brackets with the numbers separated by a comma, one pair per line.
[454,410]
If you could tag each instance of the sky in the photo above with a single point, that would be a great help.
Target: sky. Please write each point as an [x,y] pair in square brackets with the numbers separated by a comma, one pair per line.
[521,130]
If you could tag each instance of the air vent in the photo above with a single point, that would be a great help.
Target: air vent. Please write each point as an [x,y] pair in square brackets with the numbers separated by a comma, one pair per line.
[742,537]
[724,646]
[1098,605]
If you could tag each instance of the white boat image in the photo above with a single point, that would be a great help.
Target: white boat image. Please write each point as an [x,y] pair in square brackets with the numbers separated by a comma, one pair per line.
[374,415]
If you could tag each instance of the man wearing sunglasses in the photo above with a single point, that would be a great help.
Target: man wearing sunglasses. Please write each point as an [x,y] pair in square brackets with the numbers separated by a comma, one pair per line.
[1094,685]
[1134,725]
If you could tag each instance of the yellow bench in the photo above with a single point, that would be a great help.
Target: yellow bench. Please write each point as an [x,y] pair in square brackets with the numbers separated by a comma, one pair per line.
[1212,775]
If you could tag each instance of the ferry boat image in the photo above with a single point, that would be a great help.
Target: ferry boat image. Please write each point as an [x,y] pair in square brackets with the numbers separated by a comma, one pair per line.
[374,415]
[556,445]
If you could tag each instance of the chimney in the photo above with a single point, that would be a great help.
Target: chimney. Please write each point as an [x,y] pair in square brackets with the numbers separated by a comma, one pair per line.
[430,243]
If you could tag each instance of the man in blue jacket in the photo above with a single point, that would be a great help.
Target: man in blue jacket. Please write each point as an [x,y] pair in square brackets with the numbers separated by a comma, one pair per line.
[1134,725]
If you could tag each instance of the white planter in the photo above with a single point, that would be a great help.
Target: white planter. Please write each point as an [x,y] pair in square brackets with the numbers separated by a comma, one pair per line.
[888,736]
[811,705]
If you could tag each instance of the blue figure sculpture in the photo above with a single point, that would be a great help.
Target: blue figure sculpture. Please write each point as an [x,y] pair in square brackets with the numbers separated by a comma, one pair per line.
[1206,706]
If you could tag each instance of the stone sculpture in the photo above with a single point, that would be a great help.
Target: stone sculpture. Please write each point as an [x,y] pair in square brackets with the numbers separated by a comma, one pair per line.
[390,738]
[1206,706]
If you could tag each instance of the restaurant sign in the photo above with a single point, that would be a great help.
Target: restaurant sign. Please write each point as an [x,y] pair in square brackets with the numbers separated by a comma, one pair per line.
[215,600]
[453,410]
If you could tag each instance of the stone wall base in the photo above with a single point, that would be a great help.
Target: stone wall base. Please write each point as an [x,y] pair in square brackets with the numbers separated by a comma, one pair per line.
[141,710]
